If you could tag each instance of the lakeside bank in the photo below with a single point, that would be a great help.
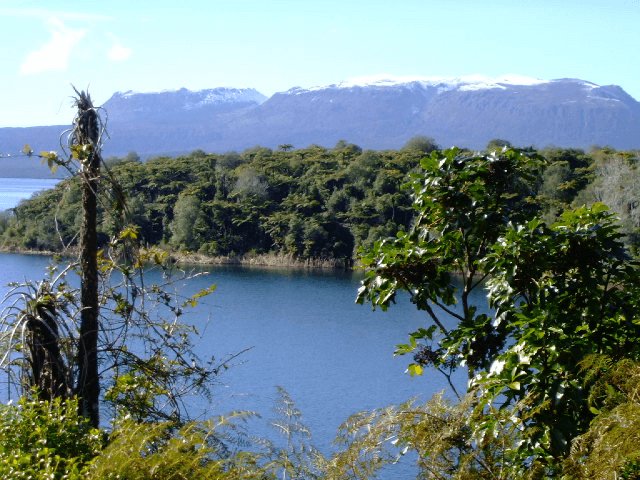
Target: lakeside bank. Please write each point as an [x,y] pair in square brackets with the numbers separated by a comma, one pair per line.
[263,260]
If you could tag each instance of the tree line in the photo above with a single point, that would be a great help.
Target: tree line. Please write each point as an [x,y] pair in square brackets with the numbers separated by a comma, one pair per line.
[309,203]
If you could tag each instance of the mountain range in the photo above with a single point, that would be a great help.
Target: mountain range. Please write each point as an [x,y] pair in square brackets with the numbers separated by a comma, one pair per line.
[376,114]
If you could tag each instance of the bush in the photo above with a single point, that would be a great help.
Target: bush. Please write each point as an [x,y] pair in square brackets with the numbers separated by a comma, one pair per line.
[45,440]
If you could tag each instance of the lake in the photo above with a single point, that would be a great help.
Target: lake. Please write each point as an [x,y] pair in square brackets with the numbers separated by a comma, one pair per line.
[305,333]
[12,190]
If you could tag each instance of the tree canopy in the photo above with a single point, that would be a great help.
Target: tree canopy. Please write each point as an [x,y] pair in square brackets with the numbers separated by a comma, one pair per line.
[307,203]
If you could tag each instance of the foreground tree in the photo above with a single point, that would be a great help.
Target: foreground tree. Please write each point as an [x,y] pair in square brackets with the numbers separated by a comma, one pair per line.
[59,341]
[558,294]
[85,143]
[562,293]
[463,203]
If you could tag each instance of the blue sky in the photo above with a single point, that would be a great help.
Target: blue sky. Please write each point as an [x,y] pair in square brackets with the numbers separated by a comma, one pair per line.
[273,45]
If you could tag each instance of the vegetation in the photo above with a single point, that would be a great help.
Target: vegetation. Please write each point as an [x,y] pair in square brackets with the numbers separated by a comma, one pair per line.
[553,365]
[302,204]
[560,294]
[463,203]
[67,351]
[309,203]
[45,439]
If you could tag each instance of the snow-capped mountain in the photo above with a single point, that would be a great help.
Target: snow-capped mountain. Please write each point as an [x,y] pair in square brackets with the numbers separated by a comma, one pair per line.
[443,84]
[131,106]
[376,112]
[384,113]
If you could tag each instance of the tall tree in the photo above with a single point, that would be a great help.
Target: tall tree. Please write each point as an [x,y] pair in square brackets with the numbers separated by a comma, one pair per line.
[85,145]
[56,339]
[562,293]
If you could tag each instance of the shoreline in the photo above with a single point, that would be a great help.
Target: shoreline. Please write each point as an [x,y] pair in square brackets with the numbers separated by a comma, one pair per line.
[265,260]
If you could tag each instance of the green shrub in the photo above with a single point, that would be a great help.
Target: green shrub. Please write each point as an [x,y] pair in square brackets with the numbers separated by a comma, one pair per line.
[45,440]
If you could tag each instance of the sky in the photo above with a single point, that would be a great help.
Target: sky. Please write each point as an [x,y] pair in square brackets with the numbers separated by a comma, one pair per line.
[274,45]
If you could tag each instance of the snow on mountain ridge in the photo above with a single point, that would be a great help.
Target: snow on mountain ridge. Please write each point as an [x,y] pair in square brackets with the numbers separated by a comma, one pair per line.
[226,95]
[443,84]
[474,81]
[198,98]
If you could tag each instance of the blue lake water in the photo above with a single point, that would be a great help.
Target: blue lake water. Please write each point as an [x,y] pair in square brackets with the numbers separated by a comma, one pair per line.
[305,333]
[12,190]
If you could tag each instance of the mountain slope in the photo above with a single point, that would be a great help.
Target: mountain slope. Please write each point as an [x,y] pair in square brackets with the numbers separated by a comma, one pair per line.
[564,112]
[373,114]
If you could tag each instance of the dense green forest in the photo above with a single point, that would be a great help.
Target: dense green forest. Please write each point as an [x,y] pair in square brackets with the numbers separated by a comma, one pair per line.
[307,204]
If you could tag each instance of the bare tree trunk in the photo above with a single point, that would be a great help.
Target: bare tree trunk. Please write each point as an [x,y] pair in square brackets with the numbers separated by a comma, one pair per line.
[85,139]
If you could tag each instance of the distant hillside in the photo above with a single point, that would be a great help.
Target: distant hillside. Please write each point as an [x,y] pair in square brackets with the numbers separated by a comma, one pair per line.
[377,115]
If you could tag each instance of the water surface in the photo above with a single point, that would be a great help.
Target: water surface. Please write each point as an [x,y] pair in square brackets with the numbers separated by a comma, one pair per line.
[12,190]
[304,332]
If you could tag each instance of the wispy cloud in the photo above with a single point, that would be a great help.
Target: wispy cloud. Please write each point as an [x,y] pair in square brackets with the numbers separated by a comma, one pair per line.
[53,55]
[118,52]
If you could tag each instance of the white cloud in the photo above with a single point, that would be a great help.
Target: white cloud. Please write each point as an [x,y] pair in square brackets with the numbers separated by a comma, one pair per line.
[118,52]
[53,55]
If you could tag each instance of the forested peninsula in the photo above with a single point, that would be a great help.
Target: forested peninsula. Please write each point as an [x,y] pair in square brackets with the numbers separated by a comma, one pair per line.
[313,206]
